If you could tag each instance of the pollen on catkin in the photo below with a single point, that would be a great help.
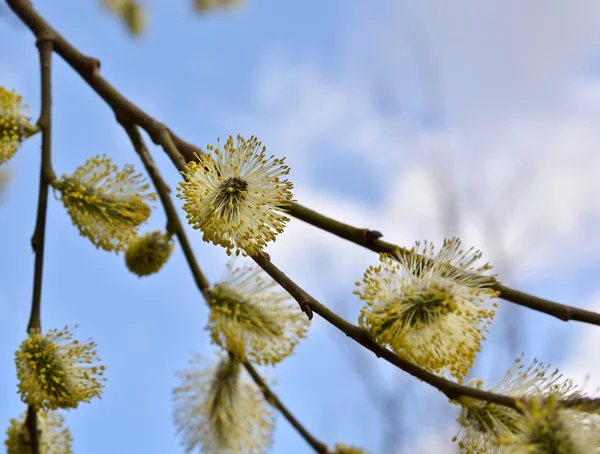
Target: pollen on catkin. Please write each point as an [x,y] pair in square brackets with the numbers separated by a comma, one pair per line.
[340,448]
[432,309]
[216,410]
[4,179]
[487,427]
[55,371]
[131,12]
[149,252]
[547,427]
[204,6]
[53,437]
[14,124]
[236,196]
[252,318]
[105,204]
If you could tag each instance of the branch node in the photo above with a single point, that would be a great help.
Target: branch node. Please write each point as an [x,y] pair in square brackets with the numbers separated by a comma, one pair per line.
[123,118]
[92,65]
[307,310]
[171,227]
[34,242]
[45,37]
[371,235]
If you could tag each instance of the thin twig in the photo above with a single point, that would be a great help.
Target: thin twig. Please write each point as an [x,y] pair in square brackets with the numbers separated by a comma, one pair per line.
[449,388]
[46,176]
[39,235]
[174,223]
[274,400]
[165,140]
[89,69]
[361,237]
[31,424]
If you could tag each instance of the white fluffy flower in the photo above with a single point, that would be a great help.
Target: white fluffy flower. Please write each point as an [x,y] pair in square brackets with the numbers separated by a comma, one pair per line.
[491,428]
[53,437]
[218,411]
[236,196]
[253,318]
[430,308]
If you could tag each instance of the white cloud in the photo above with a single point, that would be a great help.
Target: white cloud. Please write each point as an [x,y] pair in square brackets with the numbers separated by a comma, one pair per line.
[532,175]
[436,441]
[474,59]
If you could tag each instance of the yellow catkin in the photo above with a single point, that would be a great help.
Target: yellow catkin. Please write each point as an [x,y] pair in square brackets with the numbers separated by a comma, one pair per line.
[55,371]
[131,12]
[430,308]
[252,318]
[149,252]
[5,177]
[487,427]
[53,437]
[216,409]
[204,6]
[105,204]
[236,196]
[344,449]
[548,428]
[14,124]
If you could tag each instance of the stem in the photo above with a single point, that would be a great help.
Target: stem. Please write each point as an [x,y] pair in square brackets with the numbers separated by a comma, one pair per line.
[31,424]
[174,223]
[39,235]
[274,400]
[181,152]
[46,175]
[449,388]
[164,139]
[365,238]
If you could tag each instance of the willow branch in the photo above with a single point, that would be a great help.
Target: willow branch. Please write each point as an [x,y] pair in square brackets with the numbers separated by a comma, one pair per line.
[39,234]
[274,400]
[32,428]
[46,176]
[89,69]
[370,240]
[174,223]
[181,152]
[449,388]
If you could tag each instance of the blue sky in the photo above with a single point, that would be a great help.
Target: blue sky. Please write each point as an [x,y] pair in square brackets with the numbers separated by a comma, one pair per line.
[420,121]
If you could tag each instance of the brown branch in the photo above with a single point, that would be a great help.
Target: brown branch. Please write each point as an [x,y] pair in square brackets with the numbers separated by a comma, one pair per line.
[89,69]
[274,400]
[126,111]
[46,176]
[173,222]
[174,225]
[449,388]
[32,428]
[39,235]
[362,238]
